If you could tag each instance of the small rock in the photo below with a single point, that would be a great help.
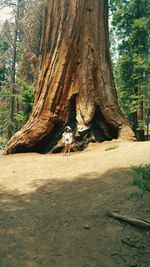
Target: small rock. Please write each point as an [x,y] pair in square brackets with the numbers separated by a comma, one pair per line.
[21,257]
[13,217]
[86,226]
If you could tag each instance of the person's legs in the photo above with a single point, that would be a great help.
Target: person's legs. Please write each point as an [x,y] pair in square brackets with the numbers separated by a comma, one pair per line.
[65,150]
[69,147]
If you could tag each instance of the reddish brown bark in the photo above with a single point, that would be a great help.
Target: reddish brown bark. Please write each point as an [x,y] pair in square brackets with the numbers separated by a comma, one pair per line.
[75,83]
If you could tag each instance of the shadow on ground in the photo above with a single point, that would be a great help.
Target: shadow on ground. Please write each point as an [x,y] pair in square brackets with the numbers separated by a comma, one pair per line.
[64,224]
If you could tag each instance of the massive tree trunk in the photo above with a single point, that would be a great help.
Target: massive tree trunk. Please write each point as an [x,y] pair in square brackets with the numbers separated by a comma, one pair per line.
[75,84]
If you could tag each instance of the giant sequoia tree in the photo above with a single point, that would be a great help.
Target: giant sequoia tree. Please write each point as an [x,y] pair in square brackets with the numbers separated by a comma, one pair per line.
[75,84]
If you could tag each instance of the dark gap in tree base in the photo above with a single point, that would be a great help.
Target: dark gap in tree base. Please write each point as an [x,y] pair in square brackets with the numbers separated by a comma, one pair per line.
[58,148]
[50,143]
[103,131]
[51,140]
[98,131]
[72,114]
[45,144]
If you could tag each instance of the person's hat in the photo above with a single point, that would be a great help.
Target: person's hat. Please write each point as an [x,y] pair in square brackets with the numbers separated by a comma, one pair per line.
[68,127]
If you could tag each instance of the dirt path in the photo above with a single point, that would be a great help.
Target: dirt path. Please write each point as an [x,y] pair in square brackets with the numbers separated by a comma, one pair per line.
[53,209]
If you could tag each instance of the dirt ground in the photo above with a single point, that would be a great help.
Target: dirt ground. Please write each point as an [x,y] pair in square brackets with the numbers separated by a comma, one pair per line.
[53,209]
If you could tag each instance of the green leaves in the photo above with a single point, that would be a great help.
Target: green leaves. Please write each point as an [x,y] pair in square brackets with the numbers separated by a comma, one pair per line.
[19,41]
[141,177]
[23,97]
[131,31]
[26,99]
[4,46]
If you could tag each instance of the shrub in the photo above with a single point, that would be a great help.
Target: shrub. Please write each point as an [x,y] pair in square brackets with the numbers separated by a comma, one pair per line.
[141,177]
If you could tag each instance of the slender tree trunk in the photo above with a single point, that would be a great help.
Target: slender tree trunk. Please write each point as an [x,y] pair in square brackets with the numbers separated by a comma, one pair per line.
[13,75]
[147,123]
[75,84]
[139,91]
[140,117]
[12,93]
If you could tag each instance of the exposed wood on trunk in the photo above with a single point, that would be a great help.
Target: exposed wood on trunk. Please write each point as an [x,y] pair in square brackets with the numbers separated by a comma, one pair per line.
[75,83]
[134,221]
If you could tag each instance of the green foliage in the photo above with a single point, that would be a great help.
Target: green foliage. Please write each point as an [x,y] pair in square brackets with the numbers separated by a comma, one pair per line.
[19,42]
[141,177]
[4,109]
[2,142]
[24,97]
[131,31]
[4,47]
[25,100]
[111,147]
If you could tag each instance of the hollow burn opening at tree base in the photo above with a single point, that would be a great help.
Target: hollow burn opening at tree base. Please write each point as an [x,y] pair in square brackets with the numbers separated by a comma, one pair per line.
[98,131]
[81,140]
[101,130]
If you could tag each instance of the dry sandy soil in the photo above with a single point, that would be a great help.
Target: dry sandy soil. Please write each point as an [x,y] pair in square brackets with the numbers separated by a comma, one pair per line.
[53,209]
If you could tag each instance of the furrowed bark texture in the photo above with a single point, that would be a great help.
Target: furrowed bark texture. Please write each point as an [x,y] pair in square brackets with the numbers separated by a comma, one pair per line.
[75,83]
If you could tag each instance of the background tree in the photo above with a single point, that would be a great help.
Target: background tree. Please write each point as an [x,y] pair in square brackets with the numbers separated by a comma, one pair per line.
[6,70]
[21,62]
[31,27]
[131,26]
[13,37]
[75,83]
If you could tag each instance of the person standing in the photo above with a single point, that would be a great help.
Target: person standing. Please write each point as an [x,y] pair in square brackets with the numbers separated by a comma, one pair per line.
[67,139]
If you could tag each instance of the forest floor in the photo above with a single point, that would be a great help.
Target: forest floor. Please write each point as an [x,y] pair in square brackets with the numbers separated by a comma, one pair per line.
[53,208]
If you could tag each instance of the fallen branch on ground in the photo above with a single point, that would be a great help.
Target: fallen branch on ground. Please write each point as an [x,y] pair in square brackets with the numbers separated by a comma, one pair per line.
[134,221]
